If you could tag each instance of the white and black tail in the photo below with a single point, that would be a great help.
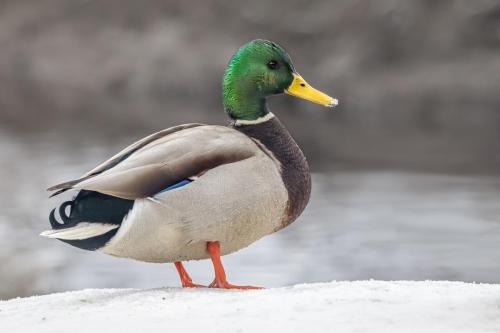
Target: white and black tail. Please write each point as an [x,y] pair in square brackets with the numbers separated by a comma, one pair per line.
[93,219]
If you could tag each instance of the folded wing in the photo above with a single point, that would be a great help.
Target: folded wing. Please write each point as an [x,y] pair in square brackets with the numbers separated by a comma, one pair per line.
[164,158]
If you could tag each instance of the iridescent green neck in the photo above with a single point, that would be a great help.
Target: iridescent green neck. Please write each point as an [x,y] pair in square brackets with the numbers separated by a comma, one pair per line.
[244,107]
[242,94]
[241,101]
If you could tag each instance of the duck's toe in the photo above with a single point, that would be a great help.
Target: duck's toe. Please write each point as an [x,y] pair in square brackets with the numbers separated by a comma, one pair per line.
[227,285]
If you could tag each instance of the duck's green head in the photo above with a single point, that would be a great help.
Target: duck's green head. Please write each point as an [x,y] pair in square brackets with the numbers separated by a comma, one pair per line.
[257,70]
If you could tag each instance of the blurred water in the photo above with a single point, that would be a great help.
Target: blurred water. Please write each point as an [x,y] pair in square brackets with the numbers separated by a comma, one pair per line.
[380,224]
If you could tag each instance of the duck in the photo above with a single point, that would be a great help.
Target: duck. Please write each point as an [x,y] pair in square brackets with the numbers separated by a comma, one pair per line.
[197,191]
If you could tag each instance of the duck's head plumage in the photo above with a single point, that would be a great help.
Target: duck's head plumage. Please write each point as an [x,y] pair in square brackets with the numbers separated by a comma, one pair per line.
[259,69]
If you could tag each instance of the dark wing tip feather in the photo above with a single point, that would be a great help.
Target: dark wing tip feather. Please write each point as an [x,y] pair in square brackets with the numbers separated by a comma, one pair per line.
[62,187]
[58,192]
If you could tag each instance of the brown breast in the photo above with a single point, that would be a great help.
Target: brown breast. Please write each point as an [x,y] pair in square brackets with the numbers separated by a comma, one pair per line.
[294,168]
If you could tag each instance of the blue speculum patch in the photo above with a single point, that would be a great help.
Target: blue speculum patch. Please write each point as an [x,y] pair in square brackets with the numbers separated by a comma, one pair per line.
[176,185]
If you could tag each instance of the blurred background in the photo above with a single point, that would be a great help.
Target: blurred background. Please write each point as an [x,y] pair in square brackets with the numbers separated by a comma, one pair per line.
[406,170]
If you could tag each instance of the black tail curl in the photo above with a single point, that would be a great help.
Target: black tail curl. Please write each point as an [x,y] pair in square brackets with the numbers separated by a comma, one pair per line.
[91,207]
[66,220]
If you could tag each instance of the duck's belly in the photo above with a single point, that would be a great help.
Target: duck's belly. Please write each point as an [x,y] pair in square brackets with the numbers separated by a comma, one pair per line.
[235,204]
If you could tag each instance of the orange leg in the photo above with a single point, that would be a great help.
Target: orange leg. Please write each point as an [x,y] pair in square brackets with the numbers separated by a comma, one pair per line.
[185,278]
[220,281]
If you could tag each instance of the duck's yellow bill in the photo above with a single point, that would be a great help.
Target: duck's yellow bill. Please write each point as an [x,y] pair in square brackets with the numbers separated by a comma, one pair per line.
[300,88]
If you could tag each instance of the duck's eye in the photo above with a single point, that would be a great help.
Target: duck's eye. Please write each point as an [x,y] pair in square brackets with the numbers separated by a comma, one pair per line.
[273,64]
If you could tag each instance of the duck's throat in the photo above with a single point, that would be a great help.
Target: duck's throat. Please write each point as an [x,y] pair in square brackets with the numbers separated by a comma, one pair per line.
[242,97]
[245,107]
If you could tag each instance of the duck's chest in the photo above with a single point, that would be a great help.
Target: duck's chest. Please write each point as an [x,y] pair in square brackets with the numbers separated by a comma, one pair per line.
[276,141]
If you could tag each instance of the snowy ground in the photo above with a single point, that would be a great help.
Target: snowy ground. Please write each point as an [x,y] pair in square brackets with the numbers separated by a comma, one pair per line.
[364,306]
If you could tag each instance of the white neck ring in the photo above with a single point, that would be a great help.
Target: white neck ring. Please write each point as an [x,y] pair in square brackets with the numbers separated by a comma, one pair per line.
[259,120]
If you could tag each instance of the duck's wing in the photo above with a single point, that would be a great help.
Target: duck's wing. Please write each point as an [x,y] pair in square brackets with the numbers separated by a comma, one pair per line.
[163,159]
[122,155]
[136,146]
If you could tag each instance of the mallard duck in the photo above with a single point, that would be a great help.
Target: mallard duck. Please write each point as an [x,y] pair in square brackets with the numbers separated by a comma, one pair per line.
[199,191]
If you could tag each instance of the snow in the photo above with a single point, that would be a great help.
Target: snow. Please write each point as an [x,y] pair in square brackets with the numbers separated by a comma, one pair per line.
[361,306]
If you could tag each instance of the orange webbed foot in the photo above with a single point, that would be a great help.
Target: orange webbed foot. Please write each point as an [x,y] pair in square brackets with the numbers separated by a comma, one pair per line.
[186,281]
[189,284]
[220,280]
[227,285]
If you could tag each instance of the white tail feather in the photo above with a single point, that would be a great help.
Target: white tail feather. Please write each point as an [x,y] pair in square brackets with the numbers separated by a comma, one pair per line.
[82,230]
